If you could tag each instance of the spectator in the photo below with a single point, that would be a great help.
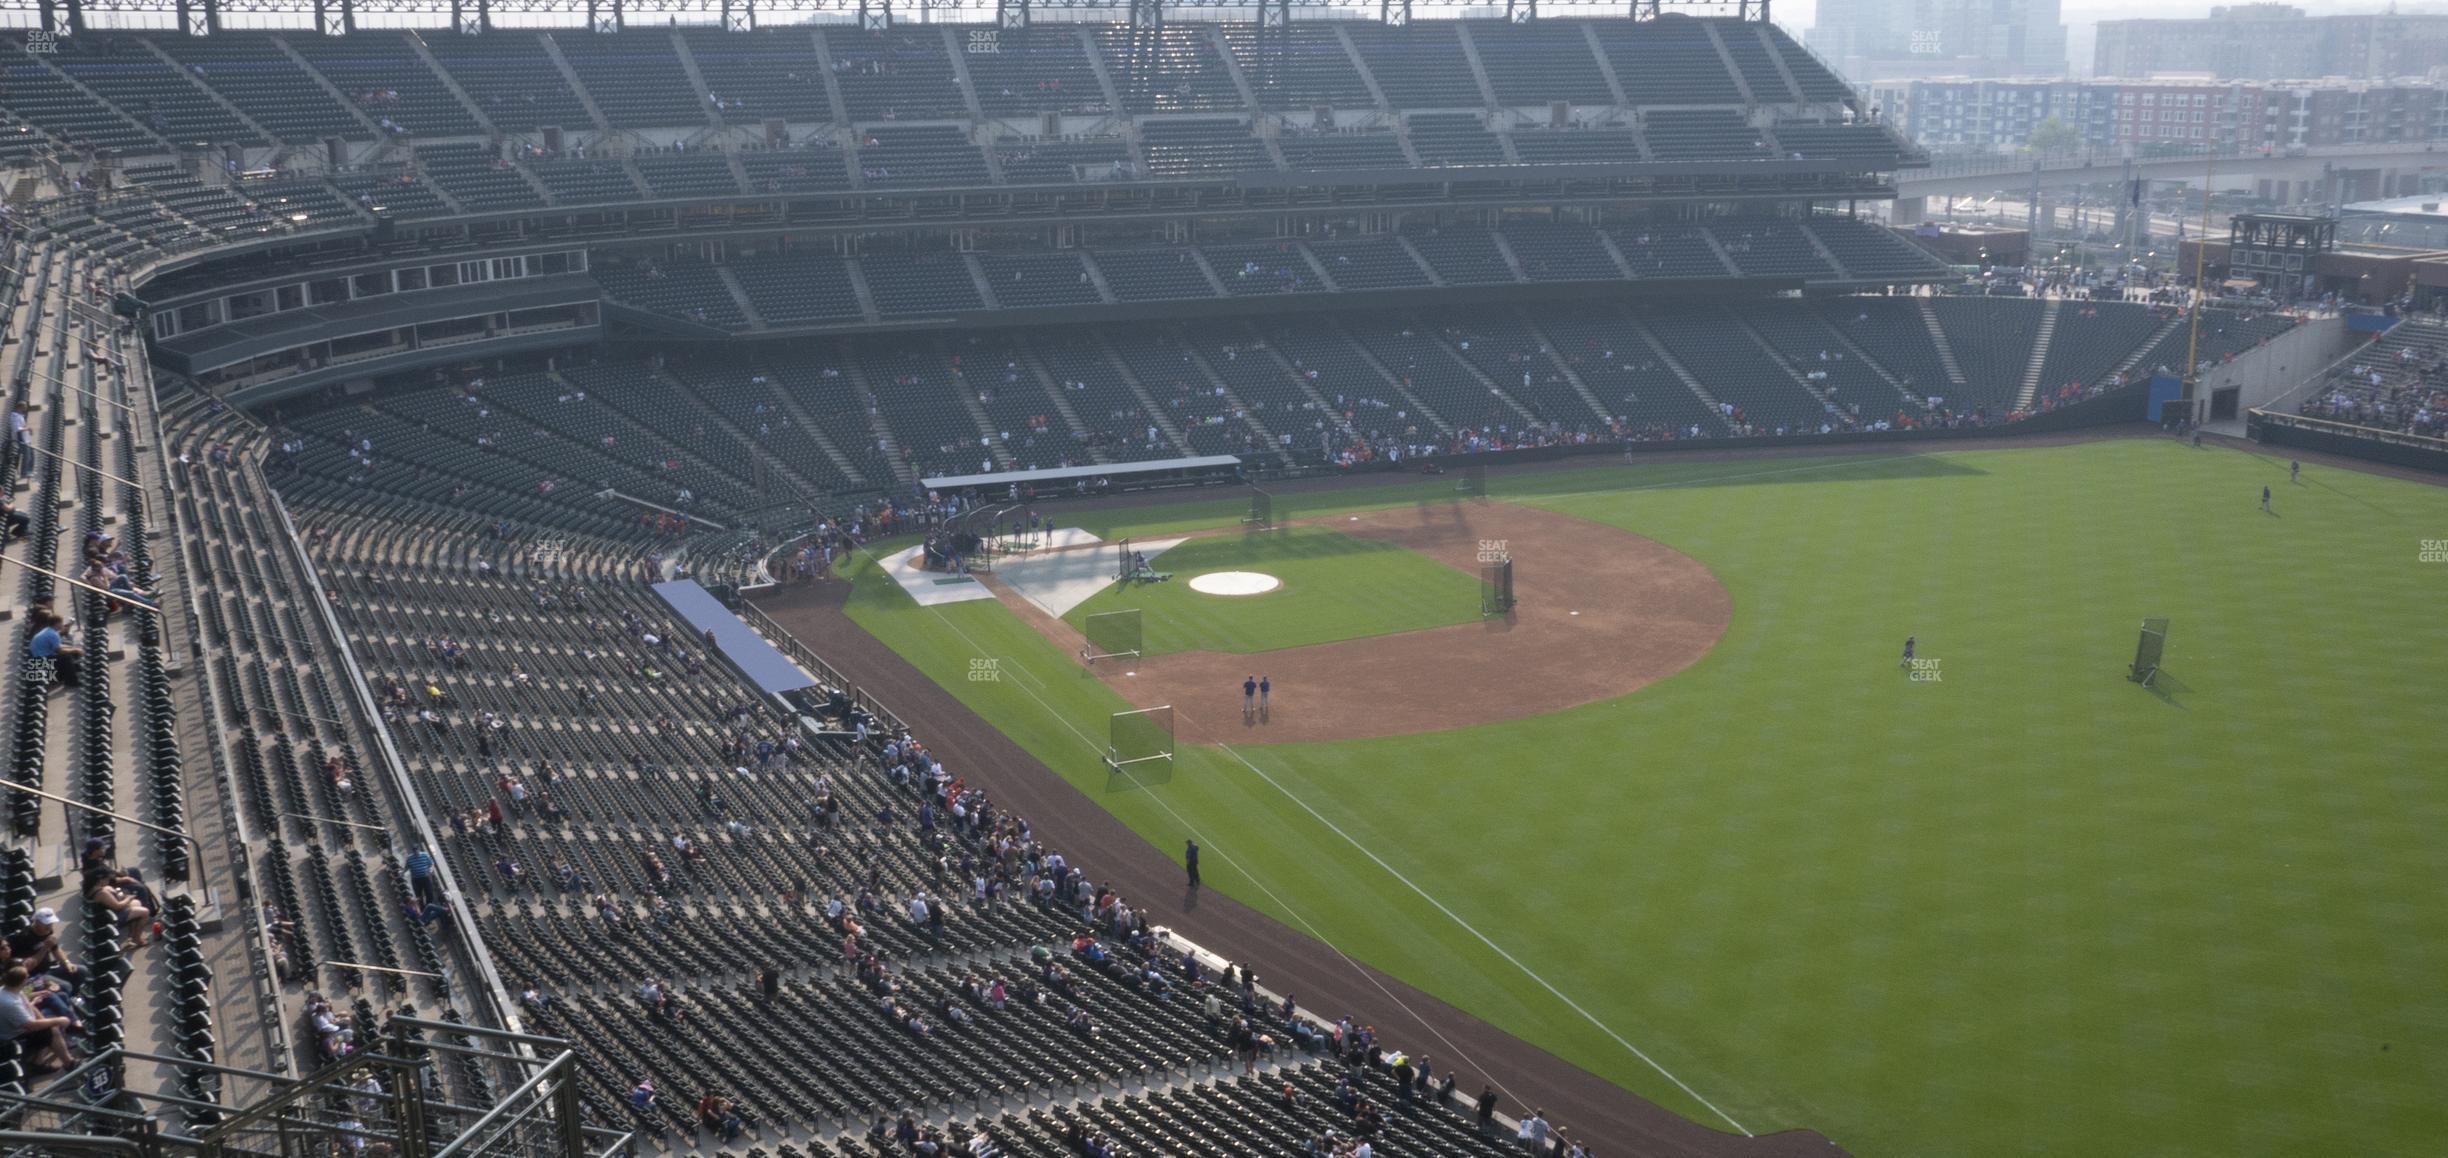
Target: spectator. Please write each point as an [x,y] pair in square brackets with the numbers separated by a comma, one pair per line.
[50,645]
[20,1020]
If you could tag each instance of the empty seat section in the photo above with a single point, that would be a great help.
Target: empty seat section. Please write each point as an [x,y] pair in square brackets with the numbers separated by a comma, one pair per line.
[1172,69]
[1038,161]
[1033,280]
[691,290]
[812,168]
[1867,250]
[399,194]
[250,71]
[1118,423]
[501,72]
[696,173]
[1892,331]
[1667,62]
[1734,370]
[1303,69]
[121,70]
[1199,148]
[2091,339]
[1576,146]
[1030,429]
[1812,351]
[895,74]
[913,386]
[1539,62]
[584,180]
[928,155]
[1754,63]
[1762,247]
[770,72]
[1431,373]
[1369,263]
[798,288]
[911,285]
[1461,254]
[382,73]
[1629,378]
[1668,251]
[1037,69]
[300,204]
[1560,251]
[477,177]
[1993,340]
[1818,84]
[37,96]
[1419,66]
[1867,145]
[1258,268]
[1152,275]
[1454,139]
[1702,135]
[1519,363]
[1205,416]
[1334,149]
[634,76]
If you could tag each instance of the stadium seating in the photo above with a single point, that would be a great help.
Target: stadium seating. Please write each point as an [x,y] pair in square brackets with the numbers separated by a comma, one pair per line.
[1343,150]
[1770,248]
[500,73]
[921,285]
[1668,62]
[1420,67]
[1369,263]
[897,74]
[693,173]
[1702,134]
[1183,148]
[920,155]
[691,290]
[816,168]
[382,73]
[584,180]
[253,73]
[1869,252]
[1143,275]
[39,97]
[1175,69]
[1303,69]
[1461,255]
[477,177]
[1454,139]
[770,72]
[1019,71]
[1559,251]
[1576,146]
[635,77]
[1993,342]
[125,71]
[798,288]
[1539,62]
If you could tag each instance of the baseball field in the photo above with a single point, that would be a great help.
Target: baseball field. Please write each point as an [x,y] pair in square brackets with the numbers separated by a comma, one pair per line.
[1687,820]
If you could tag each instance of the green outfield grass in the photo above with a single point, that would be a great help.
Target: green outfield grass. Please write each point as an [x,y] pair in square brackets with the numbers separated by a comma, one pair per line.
[1335,586]
[2028,908]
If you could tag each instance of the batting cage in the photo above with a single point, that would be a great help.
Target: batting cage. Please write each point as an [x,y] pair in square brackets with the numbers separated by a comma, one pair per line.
[1496,587]
[1111,635]
[1262,510]
[1473,483]
[2147,651]
[1140,737]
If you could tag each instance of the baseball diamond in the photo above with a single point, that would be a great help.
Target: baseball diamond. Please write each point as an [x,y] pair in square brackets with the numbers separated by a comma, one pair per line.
[1177,580]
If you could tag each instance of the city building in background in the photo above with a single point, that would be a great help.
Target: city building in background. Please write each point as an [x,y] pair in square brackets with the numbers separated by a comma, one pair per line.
[2269,41]
[1910,38]
[2156,117]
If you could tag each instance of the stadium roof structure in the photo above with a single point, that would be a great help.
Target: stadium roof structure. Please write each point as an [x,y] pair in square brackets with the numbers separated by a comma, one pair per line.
[334,17]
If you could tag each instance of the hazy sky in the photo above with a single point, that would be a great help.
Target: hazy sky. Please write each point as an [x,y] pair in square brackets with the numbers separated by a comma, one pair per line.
[2080,15]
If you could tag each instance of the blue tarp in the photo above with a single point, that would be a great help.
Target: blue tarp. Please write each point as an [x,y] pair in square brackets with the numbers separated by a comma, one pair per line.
[2164,388]
[770,670]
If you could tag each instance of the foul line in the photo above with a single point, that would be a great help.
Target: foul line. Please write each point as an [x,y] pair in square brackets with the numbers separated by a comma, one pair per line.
[1467,927]
[1315,933]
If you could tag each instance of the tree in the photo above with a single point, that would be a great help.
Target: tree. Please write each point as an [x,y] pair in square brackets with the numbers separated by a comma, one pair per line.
[2053,135]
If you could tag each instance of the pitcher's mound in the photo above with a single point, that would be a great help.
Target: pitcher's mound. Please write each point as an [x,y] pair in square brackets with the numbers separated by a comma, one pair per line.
[1235,583]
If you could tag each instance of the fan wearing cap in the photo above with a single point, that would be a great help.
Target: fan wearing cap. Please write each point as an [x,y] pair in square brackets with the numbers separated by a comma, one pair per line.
[37,948]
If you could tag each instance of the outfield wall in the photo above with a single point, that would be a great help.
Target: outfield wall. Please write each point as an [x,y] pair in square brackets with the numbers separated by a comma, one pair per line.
[2273,429]
[2264,374]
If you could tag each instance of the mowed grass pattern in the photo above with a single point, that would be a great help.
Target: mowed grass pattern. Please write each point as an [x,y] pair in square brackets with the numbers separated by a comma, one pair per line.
[1335,586]
[2029,908]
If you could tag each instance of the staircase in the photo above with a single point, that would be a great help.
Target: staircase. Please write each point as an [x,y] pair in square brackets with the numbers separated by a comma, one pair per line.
[797,484]
[1854,349]
[1716,409]
[1060,398]
[1240,409]
[416,41]
[1470,52]
[2159,336]
[1393,382]
[569,76]
[696,79]
[858,285]
[906,474]
[815,431]
[1477,375]
[739,293]
[2039,355]
[1003,456]
[1147,402]
[1946,352]
[1564,367]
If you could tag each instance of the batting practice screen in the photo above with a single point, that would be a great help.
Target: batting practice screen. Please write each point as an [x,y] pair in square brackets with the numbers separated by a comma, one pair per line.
[1140,737]
[2147,652]
[1262,509]
[1111,634]
[1496,587]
